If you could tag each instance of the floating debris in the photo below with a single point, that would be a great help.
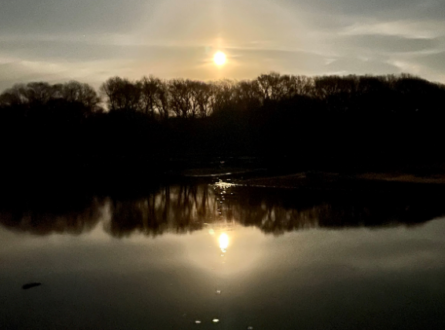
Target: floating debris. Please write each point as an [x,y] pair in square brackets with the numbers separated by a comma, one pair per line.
[218,291]
[198,322]
[249,328]
[31,285]
[215,320]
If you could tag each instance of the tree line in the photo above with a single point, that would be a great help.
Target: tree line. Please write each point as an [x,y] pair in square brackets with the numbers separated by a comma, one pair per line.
[286,120]
[185,98]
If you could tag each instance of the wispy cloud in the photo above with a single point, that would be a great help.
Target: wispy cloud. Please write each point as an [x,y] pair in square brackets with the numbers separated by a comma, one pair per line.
[93,40]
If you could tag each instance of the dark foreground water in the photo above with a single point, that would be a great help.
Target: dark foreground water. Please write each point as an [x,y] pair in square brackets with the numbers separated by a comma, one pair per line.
[199,257]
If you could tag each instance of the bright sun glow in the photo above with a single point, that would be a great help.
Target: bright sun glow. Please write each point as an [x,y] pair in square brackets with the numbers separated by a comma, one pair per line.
[223,242]
[220,58]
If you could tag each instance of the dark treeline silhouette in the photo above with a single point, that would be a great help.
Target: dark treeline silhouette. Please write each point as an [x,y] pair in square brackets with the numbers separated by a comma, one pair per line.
[187,208]
[290,122]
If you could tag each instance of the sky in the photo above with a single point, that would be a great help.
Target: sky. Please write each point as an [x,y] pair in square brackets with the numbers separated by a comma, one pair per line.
[90,41]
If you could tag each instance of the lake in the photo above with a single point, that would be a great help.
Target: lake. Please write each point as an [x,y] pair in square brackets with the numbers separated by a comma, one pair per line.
[198,256]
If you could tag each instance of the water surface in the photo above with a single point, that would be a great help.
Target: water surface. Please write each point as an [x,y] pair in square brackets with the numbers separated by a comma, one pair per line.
[196,256]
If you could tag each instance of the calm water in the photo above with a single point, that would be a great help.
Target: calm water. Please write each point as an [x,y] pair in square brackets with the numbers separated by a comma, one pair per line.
[200,257]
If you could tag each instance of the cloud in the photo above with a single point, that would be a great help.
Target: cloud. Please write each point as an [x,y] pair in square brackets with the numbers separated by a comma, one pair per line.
[67,16]
[23,71]
[416,29]
[434,61]
[376,9]
[352,65]
[385,44]
[90,40]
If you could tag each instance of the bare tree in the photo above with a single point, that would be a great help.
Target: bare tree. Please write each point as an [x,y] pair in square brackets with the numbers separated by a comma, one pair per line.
[121,94]
[154,97]
[180,98]
[35,93]
[14,96]
[201,98]
[75,91]
[224,95]
[248,94]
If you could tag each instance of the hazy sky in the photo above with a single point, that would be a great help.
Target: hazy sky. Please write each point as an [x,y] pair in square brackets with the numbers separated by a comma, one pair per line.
[90,41]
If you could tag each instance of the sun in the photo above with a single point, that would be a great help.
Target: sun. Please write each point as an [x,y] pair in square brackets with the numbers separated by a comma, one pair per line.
[219,58]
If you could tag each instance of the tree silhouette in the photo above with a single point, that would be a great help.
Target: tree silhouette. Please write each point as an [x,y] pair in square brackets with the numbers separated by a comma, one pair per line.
[327,122]
[154,97]
[121,94]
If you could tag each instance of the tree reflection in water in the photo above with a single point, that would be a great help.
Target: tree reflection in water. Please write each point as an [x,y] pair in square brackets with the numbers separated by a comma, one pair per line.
[186,208]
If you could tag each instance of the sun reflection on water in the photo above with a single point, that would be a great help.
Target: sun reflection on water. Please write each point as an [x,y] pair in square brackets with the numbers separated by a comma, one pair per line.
[223,242]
